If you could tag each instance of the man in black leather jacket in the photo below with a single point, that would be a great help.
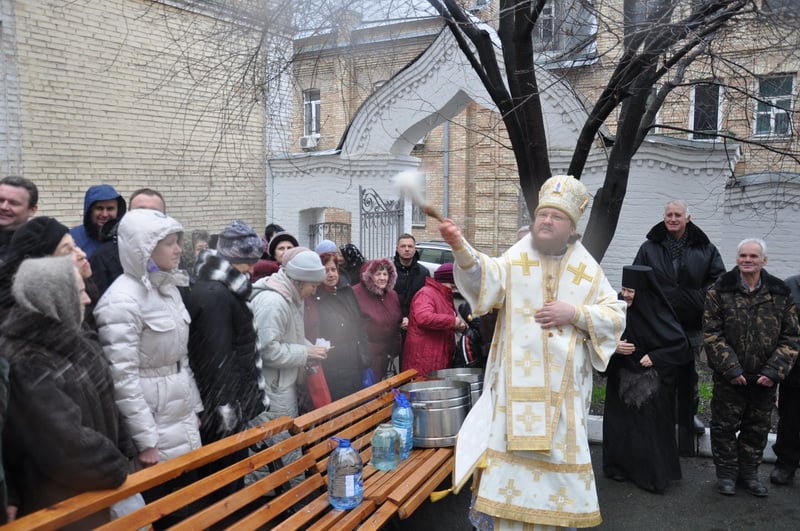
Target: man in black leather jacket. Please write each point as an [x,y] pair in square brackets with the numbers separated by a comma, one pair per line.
[686,263]
[410,274]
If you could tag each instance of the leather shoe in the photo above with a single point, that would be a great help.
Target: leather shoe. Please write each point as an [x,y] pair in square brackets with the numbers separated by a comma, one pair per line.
[755,487]
[726,486]
[780,476]
[699,426]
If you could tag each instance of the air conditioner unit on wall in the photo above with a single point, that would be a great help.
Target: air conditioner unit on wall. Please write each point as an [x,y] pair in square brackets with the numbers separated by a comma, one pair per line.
[308,142]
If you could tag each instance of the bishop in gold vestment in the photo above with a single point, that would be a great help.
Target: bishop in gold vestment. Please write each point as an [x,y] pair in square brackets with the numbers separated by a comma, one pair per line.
[558,317]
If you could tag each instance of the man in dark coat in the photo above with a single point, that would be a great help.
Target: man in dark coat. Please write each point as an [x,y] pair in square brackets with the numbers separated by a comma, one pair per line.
[223,346]
[685,263]
[750,333]
[787,443]
[410,274]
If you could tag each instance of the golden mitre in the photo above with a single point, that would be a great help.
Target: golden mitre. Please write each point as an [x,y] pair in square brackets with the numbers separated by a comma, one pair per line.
[565,193]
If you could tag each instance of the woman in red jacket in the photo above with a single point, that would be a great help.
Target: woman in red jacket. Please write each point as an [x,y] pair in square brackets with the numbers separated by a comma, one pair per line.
[432,323]
[380,308]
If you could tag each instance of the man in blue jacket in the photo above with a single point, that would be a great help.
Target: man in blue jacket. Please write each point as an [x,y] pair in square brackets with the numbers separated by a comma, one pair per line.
[101,204]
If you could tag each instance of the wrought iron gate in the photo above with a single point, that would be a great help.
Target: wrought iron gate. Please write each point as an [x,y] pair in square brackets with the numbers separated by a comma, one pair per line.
[381,224]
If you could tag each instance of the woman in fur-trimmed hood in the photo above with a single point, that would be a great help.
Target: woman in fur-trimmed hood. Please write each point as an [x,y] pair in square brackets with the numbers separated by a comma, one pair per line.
[380,308]
[62,435]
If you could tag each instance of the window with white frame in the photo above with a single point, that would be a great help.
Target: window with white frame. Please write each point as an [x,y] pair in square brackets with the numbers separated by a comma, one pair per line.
[544,33]
[311,111]
[774,105]
[705,111]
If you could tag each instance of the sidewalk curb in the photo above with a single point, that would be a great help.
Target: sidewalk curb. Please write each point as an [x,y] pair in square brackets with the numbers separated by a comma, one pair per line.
[595,433]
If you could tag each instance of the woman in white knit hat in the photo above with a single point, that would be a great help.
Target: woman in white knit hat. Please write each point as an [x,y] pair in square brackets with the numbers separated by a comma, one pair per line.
[277,303]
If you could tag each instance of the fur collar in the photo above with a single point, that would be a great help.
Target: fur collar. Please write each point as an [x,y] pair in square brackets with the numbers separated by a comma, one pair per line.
[211,266]
[695,238]
[730,282]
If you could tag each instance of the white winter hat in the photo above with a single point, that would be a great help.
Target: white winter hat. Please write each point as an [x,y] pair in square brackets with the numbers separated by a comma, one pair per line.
[304,265]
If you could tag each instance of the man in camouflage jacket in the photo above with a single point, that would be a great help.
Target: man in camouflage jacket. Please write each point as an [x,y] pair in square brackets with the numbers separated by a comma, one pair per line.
[750,332]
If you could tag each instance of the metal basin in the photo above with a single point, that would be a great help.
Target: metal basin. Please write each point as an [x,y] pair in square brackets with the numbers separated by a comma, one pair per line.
[472,376]
[440,407]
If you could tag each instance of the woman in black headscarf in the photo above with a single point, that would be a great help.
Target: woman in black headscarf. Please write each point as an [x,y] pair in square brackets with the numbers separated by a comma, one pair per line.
[638,423]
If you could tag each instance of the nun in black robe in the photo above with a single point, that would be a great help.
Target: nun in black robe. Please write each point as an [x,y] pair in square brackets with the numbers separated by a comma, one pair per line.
[638,423]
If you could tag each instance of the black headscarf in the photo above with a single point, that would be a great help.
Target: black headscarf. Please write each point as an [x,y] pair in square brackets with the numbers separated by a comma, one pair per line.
[651,324]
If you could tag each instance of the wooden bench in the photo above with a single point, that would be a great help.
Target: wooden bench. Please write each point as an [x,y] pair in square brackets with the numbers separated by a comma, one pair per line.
[305,505]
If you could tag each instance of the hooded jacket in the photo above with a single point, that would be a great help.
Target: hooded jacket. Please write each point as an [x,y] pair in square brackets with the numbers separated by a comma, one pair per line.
[700,265]
[87,236]
[278,311]
[62,435]
[750,333]
[223,347]
[144,331]
[380,310]
[430,339]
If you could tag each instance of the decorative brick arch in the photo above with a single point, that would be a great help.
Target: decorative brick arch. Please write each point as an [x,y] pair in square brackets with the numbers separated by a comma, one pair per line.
[436,87]
[378,142]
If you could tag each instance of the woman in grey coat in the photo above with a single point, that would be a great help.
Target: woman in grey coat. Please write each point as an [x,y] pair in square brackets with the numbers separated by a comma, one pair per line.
[278,308]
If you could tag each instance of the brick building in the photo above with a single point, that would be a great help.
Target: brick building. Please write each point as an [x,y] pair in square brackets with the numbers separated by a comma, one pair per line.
[133,93]
[735,189]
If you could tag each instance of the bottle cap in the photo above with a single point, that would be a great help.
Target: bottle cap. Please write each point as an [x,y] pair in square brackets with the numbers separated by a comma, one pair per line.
[343,443]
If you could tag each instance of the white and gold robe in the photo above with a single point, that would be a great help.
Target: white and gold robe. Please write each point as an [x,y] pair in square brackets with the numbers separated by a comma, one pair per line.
[538,467]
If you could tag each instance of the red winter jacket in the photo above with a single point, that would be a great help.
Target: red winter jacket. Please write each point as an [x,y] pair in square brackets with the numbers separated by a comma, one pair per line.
[430,339]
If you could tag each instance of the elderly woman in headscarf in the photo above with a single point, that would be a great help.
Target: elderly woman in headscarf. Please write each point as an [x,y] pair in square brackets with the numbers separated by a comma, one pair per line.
[144,330]
[432,324]
[638,422]
[62,435]
[380,309]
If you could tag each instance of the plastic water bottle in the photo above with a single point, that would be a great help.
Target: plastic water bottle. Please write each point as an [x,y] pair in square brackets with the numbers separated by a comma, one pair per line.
[385,448]
[403,422]
[345,481]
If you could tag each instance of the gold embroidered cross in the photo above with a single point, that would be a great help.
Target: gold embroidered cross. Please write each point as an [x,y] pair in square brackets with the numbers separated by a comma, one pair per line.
[509,491]
[560,499]
[586,477]
[527,363]
[525,264]
[525,310]
[528,418]
[579,273]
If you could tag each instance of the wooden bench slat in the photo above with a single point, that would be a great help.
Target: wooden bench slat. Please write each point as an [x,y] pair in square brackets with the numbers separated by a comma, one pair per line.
[339,520]
[312,418]
[278,505]
[82,505]
[232,503]
[198,489]
[305,515]
[379,518]
[416,499]
[380,488]
[431,462]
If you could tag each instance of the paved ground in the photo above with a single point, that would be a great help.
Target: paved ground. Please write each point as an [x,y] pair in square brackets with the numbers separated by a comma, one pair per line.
[689,504]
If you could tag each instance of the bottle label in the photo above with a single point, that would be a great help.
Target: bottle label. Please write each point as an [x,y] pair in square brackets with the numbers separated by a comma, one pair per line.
[346,485]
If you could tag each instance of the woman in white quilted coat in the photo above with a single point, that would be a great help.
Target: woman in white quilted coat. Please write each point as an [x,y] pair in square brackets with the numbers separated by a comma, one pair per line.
[144,329]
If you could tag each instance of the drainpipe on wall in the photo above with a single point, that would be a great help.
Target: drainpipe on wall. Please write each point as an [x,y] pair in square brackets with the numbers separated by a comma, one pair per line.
[446,171]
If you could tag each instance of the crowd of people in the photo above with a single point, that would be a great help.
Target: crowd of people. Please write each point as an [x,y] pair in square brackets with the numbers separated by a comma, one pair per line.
[126,352]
